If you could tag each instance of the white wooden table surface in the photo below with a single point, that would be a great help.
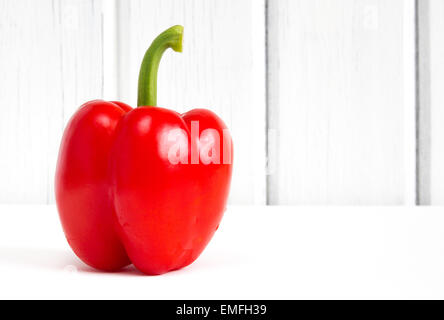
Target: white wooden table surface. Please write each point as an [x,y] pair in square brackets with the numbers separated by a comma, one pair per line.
[257,253]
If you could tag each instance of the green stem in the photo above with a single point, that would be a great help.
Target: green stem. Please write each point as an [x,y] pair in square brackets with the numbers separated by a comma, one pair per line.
[147,91]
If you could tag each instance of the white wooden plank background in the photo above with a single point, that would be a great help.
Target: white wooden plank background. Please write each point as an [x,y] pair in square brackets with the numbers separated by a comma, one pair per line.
[353,142]
[340,101]
[432,91]
[50,62]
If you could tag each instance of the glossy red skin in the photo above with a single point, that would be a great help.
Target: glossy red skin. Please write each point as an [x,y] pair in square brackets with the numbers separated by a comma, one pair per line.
[122,201]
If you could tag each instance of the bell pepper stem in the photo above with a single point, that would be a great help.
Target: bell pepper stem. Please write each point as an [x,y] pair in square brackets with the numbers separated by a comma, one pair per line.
[147,91]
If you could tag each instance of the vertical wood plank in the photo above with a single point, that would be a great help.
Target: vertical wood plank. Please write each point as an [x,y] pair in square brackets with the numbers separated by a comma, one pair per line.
[409,102]
[222,68]
[110,49]
[51,62]
[432,92]
[339,99]
[423,103]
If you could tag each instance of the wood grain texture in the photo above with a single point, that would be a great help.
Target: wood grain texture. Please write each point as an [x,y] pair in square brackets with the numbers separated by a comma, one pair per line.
[423,114]
[51,62]
[222,68]
[341,90]
[340,75]
[432,92]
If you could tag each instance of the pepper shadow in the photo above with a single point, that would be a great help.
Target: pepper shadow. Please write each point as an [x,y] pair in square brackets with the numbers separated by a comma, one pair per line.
[53,259]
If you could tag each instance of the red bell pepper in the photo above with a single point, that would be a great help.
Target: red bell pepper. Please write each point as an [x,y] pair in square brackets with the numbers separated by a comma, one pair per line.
[146,186]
